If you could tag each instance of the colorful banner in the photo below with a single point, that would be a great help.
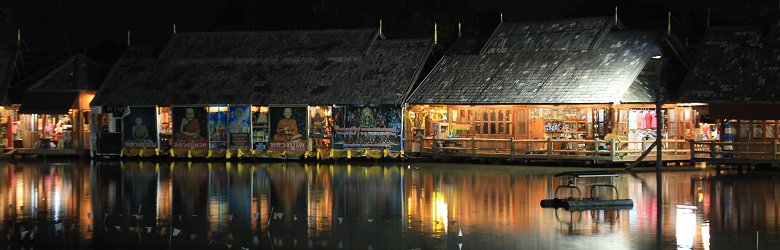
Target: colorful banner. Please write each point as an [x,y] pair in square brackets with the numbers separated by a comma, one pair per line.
[321,122]
[240,127]
[288,128]
[260,128]
[189,128]
[139,127]
[367,127]
[218,127]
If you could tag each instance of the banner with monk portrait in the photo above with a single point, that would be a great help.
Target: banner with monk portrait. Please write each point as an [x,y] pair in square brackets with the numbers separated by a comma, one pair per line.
[288,129]
[190,126]
[139,127]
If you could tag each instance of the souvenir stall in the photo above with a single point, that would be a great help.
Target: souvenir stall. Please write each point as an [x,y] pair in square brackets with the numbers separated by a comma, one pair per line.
[540,122]
[8,127]
[60,123]
[642,125]
[638,124]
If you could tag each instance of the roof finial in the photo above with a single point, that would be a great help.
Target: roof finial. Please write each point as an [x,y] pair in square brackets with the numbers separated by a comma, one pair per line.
[501,15]
[616,14]
[381,33]
[128,37]
[459,28]
[669,24]
[435,33]
[708,17]
[19,38]
[174,28]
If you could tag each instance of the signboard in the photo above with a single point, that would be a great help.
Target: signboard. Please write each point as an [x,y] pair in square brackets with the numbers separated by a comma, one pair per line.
[288,128]
[189,128]
[139,129]
[240,127]
[367,127]
[218,127]
[260,128]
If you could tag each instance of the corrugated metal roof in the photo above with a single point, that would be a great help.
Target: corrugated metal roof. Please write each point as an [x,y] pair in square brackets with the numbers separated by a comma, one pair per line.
[357,69]
[599,75]
[735,64]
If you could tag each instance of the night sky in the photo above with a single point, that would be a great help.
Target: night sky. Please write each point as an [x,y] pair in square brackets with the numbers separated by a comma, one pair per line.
[150,21]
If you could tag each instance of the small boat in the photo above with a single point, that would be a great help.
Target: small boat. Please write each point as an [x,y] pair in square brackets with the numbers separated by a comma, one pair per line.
[591,202]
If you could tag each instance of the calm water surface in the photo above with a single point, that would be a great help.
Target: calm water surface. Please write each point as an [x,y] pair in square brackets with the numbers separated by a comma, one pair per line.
[195,205]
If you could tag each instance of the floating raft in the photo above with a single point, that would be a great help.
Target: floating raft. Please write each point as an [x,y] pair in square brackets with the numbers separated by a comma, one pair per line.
[588,204]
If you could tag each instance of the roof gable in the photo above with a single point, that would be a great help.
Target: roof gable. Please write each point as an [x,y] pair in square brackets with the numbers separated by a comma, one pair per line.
[74,73]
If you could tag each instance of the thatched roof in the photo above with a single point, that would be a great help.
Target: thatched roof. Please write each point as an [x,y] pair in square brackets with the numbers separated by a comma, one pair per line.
[280,67]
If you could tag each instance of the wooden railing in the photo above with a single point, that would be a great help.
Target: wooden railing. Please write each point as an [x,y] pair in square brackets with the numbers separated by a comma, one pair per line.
[734,152]
[596,149]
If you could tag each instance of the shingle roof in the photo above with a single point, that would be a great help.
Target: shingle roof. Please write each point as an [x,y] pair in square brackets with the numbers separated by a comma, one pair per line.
[293,67]
[556,35]
[74,73]
[269,44]
[547,74]
[7,66]
[735,64]
[639,92]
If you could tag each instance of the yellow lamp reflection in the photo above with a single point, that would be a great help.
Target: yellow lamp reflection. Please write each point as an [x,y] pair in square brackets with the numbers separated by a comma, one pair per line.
[685,226]
[439,213]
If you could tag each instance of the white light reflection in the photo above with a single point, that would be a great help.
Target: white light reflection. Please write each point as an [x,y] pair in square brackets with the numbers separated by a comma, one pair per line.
[705,235]
[685,229]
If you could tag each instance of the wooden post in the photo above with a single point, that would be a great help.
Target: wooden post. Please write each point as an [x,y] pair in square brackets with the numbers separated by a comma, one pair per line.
[596,147]
[511,147]
[774,152]
[473,147]
[422,145]
[549,147]
[434,147]
[693,151]
[612,148]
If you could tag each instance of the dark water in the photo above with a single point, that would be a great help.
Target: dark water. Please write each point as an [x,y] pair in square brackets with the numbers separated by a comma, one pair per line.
[143,205]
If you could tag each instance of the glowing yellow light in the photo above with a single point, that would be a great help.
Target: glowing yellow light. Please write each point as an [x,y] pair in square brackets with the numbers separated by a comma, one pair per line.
[440,213]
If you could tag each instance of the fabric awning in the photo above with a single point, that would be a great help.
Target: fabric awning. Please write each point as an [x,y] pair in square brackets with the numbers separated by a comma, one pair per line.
[48,102]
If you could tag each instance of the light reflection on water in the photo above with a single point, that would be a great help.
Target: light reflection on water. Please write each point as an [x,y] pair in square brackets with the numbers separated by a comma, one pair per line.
[186,205]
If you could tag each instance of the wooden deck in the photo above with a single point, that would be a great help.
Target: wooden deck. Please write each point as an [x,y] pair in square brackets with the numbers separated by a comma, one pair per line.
[595,151]
[33,153]
[735,153]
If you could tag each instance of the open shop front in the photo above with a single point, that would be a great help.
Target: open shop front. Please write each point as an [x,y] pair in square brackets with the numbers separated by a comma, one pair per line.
[527,127]
[53,120]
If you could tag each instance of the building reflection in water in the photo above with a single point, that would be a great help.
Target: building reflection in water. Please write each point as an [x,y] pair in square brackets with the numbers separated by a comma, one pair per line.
[181,205]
